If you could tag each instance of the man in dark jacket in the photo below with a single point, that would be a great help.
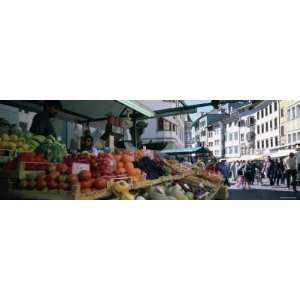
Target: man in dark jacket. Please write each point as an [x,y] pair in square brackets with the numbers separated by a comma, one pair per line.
[41,124]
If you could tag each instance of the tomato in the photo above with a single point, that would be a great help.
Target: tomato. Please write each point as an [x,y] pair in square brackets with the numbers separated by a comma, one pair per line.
[51,168]
[86,184]
[64,186]
[62,168]
[41,184]
[53,175]
[100,183]
[85,175]
[52,185]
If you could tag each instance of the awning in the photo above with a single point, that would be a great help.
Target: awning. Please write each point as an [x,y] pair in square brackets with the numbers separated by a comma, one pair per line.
[282,153]
[185,151]
[85,110]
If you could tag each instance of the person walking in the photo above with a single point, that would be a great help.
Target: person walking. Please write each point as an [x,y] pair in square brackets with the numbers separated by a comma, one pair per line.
[291,170]
[248,175]
[224,170]
[277,172]
[283,171]
[269,170]
[240,174]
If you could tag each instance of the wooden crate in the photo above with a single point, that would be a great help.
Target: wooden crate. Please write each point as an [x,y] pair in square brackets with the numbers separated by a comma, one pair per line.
[74,194]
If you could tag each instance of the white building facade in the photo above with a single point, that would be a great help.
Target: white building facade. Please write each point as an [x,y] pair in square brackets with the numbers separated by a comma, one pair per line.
[166,129]
[267,127]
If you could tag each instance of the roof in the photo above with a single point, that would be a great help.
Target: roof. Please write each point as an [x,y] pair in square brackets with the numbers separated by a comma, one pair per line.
[186,151]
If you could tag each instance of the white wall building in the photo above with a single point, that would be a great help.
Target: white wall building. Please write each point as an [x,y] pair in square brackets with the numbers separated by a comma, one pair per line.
[267,127]
[232,138]
[166,129]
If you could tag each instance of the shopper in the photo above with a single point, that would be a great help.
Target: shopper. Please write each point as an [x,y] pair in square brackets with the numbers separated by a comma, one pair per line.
[42,122]
[224,170]
[269,170]
[283,171]
[240,174]
[248,174]
[233,171]
[277,172]
[291,170]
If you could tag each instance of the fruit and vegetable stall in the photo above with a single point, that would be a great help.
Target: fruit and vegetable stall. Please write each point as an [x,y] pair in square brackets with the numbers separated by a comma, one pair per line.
[40,167]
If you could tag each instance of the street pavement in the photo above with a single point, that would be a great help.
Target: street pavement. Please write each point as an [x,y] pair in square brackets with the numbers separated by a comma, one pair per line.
[263,192]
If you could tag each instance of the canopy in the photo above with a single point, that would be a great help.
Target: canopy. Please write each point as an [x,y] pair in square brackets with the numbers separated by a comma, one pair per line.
[86,110]
[185,151]
[282,153]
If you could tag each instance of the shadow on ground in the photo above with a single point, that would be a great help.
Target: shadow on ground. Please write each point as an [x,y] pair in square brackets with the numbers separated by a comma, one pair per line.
[262,194]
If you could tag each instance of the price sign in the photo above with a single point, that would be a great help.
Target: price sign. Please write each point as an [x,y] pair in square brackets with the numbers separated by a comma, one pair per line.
[78,167]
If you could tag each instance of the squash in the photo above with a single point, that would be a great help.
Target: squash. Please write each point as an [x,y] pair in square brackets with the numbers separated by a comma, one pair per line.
[155,194]
[122,189]
[121,186]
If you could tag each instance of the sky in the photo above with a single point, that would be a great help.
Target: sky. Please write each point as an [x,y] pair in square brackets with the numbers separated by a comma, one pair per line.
[201,109]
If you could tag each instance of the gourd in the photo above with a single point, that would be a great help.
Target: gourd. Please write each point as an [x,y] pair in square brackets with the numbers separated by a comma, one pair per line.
[189,195]
[122,188]
[176,193]
[154,194]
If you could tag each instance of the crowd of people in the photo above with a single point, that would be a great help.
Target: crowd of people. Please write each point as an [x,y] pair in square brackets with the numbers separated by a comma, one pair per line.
[247,173]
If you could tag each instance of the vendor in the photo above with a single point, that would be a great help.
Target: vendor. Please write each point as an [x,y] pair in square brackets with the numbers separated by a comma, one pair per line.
[41,124]
[88,144]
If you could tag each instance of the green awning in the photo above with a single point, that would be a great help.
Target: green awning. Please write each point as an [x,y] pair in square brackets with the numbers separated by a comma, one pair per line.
[138,107]
[185,151]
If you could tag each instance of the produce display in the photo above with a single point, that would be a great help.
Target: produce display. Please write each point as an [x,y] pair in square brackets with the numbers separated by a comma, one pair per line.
[43,165]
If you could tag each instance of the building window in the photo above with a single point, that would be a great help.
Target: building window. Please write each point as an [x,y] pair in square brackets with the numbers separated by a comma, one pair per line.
[236,136]
[275,106]
[282,113]
[230,150]
[262,128]
[270,108]
[230,124]
[262,113]
[271,125]
[282,131]
[298,135]
[225,137]
[257,115]
[276,141]
[266,110]
[298,111]
[242,137]
[258,144]
[271,142]
[236,149]
[267,127]
[289,114]
[262,144]
[258,129]
[294,137]
[289,138]
[267,143]
[293,113]
[275,123]
[230,136]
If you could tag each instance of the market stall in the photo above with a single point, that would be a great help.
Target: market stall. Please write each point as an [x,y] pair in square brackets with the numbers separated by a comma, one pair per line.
[40,167]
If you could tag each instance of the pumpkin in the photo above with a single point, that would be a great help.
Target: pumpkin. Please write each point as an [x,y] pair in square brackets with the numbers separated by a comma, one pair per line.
[126,158]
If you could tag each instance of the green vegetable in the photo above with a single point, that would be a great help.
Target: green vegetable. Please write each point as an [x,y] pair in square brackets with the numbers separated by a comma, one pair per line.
[190,195]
